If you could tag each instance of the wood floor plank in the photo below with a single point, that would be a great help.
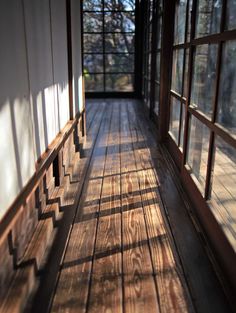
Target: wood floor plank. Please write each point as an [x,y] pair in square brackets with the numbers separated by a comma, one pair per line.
[121,256]
[73,287]
[172,297]
[201,277]
[106,276]
[139,287]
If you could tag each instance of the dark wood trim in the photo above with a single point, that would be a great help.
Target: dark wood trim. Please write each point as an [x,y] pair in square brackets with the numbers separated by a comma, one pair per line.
[215,38]
[91,95]
[210,161]
[109,11]
[166,68]
[224,252]
[70,59]
[174,151]
[189,86]
[211,156]
[138,55]
[153,58]
[218,241]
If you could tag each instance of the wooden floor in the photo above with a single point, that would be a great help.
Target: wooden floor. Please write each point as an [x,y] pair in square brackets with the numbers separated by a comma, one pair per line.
[123,252]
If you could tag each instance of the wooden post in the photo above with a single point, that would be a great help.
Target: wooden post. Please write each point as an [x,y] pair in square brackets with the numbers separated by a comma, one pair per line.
[166,67]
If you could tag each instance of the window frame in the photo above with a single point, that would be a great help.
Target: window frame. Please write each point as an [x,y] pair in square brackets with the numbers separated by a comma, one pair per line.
[136,82]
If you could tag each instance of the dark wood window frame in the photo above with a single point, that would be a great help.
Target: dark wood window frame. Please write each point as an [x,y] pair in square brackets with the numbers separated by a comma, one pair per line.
[202,202]
[137,57]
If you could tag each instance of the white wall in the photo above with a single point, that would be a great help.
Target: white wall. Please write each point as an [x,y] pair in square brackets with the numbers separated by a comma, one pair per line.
[34,101]
[17,153]
[76,56]
[59,44]
[38,39]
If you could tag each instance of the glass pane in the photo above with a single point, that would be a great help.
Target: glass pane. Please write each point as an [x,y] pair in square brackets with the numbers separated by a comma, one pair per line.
[174,118]
[149,65]
[208,17]
[223,191]
[147,93]
[119,22]
[181,144]
[93,63]
[94,82]
[92,5]
[231,14]
[93,44]
[157,99]
[92,22]
[177,71]
[186,73]
[227,94]
[119,43]
[151,3]
[122,5]
[150,37]
[119,82]
[159,34]
[180,21]
[160,7]
[189,20]
[119,63]
[197,154]
[204,72]
[158,66]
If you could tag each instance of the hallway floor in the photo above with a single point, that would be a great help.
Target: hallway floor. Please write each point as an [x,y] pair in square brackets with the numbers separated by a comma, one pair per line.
[124,253]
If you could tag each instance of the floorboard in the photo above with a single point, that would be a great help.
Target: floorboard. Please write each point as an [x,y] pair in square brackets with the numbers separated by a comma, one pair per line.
[123,254]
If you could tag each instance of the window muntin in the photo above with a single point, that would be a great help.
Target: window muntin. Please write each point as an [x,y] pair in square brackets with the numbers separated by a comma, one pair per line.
[109,45]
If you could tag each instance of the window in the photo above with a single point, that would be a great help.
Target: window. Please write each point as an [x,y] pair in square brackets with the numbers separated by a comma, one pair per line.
[157,56]
[202,121]
[147,51]
[109,45]
[152,55]
[180,62]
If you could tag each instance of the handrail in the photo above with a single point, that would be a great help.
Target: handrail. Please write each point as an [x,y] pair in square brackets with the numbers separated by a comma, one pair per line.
[41,167]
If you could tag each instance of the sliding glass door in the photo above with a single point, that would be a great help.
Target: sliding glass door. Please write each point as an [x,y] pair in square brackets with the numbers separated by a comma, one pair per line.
[202,124]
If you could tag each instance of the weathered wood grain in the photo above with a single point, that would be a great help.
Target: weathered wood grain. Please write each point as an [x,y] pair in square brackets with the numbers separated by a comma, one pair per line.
[140,293]
[206,292]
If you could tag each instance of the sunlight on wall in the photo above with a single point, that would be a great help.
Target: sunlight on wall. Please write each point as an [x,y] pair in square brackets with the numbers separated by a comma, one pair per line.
[63,104]
[80,83]
[51,114]
[24,138]
[34,97]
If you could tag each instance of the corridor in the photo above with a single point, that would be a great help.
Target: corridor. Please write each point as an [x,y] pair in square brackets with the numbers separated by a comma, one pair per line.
[118,156]
[120,254]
